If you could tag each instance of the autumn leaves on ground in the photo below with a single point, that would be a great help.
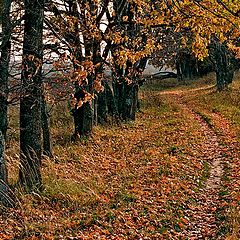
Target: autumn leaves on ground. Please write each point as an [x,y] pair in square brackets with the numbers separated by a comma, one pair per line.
[172,174]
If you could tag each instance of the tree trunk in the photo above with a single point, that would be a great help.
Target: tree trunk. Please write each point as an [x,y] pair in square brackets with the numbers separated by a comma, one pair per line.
[224,67]
[3,169]
[4,65]
[30,103]
[83,120]
[106,104]
[5,196]
[102,109]
[47,143]
[127,98]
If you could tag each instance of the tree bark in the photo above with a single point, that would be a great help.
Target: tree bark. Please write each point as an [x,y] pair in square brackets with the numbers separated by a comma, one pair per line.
[3,169]
[224,67]
[47,143]
[106,104]
[4,65]
[127,98]
[30,103]
[83,120]
[5,196]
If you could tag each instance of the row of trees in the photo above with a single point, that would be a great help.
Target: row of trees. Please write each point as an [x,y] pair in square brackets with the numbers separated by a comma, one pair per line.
[193,59]
[79,40]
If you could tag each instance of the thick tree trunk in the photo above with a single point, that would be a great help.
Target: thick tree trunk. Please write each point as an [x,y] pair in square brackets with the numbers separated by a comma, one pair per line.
[102,109]
[30,103]
[83,120]
[5,196]
[127,98]
[224,66]
[106,104]
[4,65]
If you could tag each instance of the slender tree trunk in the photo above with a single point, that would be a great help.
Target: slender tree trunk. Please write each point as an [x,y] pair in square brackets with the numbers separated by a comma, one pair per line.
[47,143]
[7,198]
[3,169]
[30,103]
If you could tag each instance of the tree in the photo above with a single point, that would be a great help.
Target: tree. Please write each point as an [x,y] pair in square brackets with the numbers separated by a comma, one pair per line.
[210,20]
[7,198]
[224,61]
[122,37]
[130,38]
[4,65]
[46,134]
[82,23]
[30,102]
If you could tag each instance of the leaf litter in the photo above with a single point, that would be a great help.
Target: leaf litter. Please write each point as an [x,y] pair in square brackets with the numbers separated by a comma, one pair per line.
[157,178]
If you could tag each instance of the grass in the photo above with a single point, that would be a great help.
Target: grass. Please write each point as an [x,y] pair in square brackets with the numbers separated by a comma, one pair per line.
[214,107]
[128,181]
[205,174]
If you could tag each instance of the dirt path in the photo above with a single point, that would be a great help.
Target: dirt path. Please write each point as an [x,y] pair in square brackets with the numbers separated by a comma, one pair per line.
[203,222]
[202,213]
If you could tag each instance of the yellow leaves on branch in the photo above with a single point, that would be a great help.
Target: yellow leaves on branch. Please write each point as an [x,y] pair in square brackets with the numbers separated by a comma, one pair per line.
[79,74]
[205,19]
[77,103]
[117,37]
[234,49]
[98,87]
[124,54]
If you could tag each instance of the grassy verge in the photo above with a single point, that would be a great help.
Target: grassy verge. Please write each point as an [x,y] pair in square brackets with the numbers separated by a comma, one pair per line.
[221,110]
[133,180]
[128,181]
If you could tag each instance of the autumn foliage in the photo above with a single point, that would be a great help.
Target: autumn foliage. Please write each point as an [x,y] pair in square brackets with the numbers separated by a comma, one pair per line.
[126,163]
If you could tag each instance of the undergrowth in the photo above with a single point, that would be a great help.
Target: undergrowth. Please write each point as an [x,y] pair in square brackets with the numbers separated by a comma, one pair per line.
[128,181]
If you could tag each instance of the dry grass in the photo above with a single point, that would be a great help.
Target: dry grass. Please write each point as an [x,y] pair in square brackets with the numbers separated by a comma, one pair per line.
[127,181]
[222,110]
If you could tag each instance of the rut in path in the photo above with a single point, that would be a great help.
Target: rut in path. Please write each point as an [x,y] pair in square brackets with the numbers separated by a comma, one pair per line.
[202,215]
[203,220]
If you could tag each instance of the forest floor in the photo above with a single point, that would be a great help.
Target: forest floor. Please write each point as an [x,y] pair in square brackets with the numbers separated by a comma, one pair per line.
[174,173]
